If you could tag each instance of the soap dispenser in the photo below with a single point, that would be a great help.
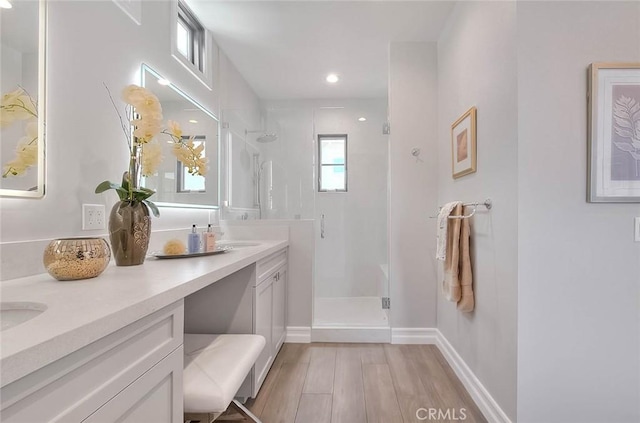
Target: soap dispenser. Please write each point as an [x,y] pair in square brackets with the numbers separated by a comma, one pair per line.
[209,240]
[193,243]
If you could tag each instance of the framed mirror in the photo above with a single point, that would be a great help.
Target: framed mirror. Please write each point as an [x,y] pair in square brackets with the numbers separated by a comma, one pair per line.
[22,85]
[173,184]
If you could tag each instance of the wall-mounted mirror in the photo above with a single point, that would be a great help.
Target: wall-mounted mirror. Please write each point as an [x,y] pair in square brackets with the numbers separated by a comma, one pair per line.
[22,85]
[173,184]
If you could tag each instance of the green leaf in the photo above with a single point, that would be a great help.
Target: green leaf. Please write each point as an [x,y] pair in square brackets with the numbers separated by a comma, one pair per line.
[125,181]
[152,207]
[103,186]
[106,185]
[140,194]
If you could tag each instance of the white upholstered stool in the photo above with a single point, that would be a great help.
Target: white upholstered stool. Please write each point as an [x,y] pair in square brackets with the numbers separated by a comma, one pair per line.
[214,368]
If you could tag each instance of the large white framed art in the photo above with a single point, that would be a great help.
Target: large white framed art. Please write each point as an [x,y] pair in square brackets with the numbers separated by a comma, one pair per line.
[614,133]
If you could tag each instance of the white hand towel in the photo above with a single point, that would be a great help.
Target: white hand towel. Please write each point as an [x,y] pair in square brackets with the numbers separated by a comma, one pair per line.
[443,220]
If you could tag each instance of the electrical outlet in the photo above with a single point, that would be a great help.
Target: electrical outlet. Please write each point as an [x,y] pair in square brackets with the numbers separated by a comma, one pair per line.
[637,229]
[93,217]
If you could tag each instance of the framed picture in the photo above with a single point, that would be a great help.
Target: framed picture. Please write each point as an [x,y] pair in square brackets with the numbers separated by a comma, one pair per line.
[463,144]
[614,133]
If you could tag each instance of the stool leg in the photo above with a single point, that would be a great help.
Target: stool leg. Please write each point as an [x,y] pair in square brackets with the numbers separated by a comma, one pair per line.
[245,411]
[199,417]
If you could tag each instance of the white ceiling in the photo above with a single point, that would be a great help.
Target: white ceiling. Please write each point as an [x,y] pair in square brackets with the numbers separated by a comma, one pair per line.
[285,49]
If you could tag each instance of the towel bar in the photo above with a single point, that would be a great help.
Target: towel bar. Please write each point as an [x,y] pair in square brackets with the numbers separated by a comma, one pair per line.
[487,203]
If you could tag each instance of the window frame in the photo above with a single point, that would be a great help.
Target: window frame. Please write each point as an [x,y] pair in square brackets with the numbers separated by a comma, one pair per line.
[196,54]
[322,137]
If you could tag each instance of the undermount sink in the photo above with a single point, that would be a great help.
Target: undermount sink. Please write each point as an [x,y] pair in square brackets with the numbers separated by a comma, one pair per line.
[237,244]
[14,313]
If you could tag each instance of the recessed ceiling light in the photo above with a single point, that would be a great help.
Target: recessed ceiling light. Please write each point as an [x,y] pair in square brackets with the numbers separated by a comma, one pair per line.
[332,78]
[5,4]
[161,81]
[193,121]
[362,119]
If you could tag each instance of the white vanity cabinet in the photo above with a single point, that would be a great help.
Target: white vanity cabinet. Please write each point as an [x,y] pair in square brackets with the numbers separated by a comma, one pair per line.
[133,374]
[251,300]
[270,309]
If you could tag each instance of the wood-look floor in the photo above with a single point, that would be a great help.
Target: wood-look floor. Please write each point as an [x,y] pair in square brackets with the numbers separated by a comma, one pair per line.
[361,383]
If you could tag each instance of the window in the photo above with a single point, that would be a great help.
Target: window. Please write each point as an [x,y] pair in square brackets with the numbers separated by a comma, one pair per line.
[190,37]
[187,182]
[332,163]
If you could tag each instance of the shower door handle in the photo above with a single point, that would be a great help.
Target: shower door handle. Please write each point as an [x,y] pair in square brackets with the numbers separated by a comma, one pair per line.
[322,227]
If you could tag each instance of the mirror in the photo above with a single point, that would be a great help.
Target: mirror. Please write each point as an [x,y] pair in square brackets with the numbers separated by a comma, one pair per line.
[173,184]
[22,85]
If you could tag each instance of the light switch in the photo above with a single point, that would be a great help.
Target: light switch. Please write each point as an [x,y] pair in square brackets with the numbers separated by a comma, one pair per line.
[637,229]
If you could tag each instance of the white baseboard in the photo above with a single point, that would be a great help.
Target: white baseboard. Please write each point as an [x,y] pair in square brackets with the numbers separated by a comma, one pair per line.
[423,336]
[298,335]
[350,334]
[483,399]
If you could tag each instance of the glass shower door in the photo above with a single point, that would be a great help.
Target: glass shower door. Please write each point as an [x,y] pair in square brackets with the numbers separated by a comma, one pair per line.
[351,210]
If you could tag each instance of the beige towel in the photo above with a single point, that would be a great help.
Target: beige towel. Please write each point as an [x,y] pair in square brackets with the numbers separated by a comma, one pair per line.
[458,281]
[451,283]
[466,302]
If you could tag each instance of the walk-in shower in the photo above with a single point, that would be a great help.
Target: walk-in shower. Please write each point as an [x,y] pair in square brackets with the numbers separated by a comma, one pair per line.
[351,281]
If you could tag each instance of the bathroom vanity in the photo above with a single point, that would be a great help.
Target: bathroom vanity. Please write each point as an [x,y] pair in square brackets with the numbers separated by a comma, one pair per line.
[110,348]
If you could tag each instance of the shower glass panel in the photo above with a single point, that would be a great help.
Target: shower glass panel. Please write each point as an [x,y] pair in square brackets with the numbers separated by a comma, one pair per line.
[351,242]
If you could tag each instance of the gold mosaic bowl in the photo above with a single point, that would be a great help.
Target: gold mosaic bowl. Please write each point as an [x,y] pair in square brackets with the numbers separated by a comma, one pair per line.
[68,259]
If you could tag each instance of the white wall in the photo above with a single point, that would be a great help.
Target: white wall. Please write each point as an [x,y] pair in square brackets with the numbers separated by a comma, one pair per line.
[85,144]
[412,184]
[470,73]
[579,269]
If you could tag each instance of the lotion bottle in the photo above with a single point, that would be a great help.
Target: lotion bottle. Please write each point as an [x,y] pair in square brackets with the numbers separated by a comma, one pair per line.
[209,240]
[193,243]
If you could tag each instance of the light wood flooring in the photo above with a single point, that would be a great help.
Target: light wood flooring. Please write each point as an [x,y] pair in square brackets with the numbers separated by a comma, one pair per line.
[361,383]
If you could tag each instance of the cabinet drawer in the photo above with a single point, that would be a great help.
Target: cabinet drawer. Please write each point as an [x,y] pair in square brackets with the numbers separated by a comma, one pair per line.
[73,387]
[267,265]
[155,396]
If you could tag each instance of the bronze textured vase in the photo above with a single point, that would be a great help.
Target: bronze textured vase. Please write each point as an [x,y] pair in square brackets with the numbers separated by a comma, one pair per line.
[69,259]
[129,231]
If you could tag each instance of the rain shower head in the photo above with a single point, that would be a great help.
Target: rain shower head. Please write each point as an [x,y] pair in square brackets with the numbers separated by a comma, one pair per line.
[263,137]
[267,138]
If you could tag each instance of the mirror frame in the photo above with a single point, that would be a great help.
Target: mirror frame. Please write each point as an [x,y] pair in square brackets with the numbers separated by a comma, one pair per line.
[42,101]
[146,68]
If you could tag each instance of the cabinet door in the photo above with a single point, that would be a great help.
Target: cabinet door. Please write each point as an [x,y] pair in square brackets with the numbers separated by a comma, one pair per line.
[279,309]
[156,396]
[263,323]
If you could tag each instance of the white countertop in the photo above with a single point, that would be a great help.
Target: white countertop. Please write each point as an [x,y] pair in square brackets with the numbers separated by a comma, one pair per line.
[80,312]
